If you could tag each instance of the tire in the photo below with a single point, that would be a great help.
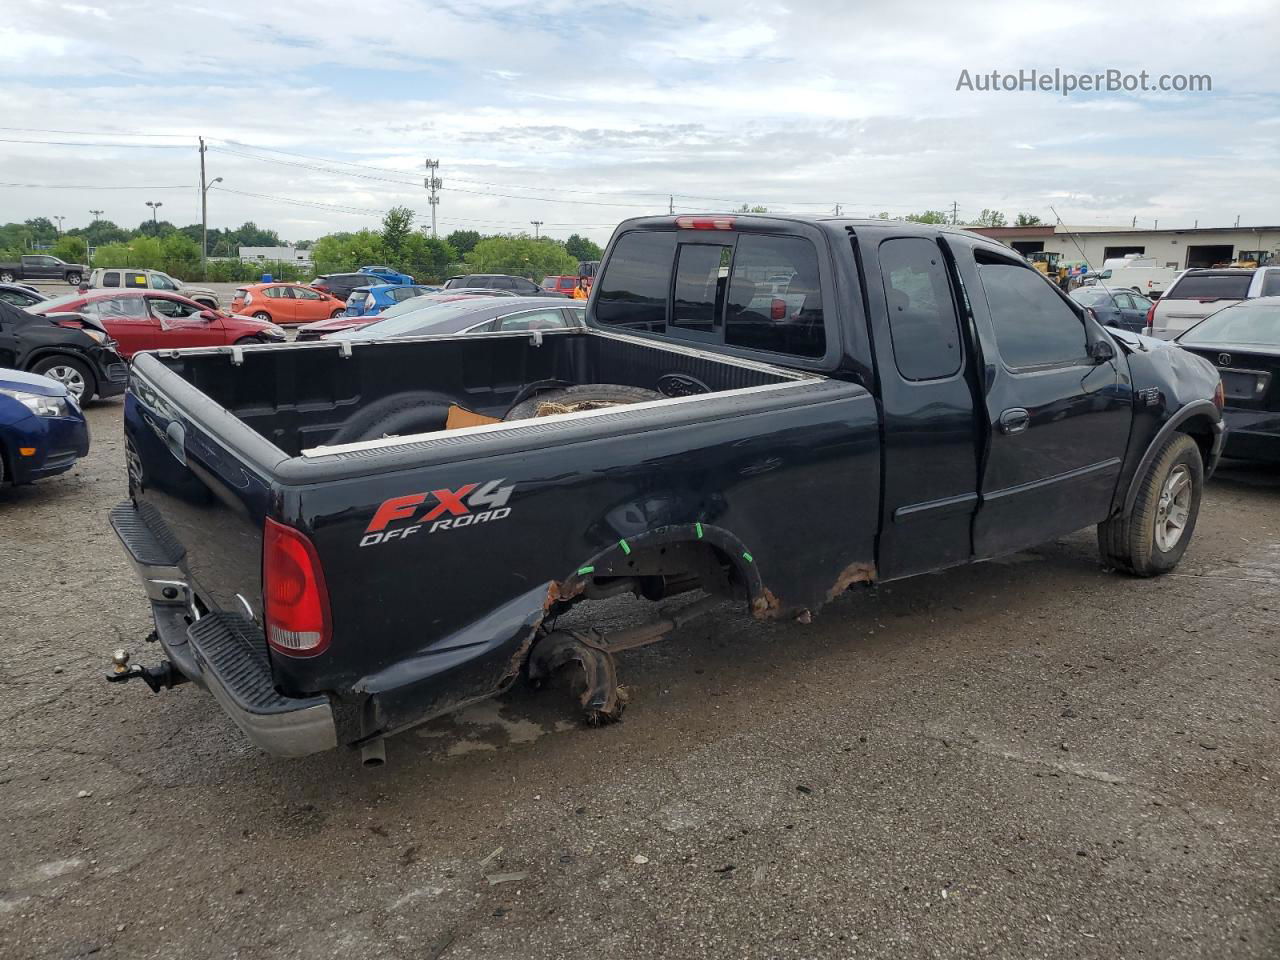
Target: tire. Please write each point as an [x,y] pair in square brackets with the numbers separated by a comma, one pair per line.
[74,279]
[400,414]
[249,341]
[337,313]
[263,315]
[1148,541]
[588,396]
[6,276]
[71,373]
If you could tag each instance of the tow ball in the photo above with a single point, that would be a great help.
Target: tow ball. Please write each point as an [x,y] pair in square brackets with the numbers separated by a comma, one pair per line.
[160,677]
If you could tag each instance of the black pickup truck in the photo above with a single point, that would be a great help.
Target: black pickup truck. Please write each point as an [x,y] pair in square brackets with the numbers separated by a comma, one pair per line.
[342,540]
[41,266]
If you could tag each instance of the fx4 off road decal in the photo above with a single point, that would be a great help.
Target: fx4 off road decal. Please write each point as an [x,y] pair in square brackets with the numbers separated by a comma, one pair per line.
[438,510]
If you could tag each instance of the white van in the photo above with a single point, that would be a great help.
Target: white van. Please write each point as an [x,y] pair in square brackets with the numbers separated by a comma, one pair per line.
[1142,274]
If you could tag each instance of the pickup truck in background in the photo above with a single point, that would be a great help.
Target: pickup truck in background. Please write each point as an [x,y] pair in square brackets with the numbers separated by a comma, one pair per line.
[40,266]
[340,541]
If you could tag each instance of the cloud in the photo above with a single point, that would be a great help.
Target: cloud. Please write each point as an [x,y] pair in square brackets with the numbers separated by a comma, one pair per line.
[601,116]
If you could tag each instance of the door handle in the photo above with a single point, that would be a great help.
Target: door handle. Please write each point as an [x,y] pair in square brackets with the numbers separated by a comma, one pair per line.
[1014,420]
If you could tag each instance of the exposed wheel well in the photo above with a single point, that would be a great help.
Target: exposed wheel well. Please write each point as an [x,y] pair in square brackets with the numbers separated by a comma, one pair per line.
[1200,429]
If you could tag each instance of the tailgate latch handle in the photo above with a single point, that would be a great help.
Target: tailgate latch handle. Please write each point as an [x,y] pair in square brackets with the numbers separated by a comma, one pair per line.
[175,438]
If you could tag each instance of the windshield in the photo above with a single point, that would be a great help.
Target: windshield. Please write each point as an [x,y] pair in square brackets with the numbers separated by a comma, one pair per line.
[1210,287]
[413,322]
[1253,323]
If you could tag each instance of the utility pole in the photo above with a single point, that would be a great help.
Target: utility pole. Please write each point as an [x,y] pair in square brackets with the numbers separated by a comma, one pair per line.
[1237,219]
[955,213]
[433,183]
[1157,225]
[671,204]
[60,219]
[536,225]
[204,219]
[837,211]
[1134,225]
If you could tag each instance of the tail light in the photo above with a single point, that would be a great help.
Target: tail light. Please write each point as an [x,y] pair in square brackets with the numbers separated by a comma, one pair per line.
[296,604]
[1151,321]
[1219,396]
[371,302]
[778,309]
[705,223]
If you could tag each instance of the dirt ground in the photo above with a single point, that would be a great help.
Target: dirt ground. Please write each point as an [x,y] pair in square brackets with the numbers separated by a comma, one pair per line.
[1025,758]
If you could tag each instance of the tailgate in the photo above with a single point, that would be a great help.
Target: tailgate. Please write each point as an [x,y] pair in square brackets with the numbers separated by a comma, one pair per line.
[202,480]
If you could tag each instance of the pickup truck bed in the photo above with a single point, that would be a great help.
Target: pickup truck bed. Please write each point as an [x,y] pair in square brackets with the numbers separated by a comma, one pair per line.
[342,540]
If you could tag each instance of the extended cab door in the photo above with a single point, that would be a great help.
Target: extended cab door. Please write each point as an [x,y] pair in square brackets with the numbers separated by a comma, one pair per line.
[1057,418]
[38,267]
[931,432]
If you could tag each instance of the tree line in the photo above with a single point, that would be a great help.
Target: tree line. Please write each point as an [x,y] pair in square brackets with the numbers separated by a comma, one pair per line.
[160,245]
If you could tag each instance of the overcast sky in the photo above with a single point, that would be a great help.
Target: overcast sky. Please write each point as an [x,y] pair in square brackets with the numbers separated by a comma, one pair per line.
[602,110]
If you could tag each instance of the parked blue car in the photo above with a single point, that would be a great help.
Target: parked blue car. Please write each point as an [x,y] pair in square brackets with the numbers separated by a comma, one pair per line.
[387,275]
[372,300]
[42,431]
[1114,308]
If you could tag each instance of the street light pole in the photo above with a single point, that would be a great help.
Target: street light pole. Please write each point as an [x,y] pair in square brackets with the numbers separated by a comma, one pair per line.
[155,205]
[97,215]
[204,215]
[536,225]
[59,219]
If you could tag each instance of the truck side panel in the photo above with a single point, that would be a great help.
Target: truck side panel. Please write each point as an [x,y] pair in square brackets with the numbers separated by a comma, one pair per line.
[788,495]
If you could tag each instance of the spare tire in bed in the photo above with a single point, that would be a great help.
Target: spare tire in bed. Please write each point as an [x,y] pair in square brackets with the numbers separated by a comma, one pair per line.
[401,414]
[586,396]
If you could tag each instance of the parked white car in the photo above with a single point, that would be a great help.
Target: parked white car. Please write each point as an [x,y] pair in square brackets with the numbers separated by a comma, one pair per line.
[1198,292]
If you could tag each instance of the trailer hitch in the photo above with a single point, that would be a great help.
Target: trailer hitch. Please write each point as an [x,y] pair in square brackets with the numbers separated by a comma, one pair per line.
[162,676]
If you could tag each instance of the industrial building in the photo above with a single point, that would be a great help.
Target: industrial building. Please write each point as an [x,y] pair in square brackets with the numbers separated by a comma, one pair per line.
[1180,248]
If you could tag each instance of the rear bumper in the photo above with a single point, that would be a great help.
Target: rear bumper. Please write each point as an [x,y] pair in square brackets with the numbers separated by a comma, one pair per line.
[225,653]
[1252,434]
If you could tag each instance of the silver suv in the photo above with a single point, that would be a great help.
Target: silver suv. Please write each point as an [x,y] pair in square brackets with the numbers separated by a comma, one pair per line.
[135,279]
[1198,292]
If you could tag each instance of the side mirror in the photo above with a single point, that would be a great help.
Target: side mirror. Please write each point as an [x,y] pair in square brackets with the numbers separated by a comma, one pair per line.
[1100,351]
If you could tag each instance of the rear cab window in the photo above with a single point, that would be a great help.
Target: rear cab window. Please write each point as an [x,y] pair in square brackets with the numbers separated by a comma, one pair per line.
[1208,286]
[753,291]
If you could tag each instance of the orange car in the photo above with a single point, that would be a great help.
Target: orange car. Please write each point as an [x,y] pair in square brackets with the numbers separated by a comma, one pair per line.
[286,303]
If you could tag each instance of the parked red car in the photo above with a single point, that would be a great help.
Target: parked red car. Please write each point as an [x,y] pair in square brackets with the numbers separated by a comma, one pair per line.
[153,320]
[286,303]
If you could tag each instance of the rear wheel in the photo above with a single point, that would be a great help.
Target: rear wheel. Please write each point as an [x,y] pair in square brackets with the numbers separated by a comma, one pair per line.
[1152,538]
[71,373]
[73,279]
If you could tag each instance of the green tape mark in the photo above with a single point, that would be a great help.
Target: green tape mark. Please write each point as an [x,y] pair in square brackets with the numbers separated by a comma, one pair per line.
[583,571]
[626,547]
[699,528]
[748,557]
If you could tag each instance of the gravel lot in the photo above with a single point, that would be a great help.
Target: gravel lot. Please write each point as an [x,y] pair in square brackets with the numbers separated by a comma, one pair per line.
[1025,758]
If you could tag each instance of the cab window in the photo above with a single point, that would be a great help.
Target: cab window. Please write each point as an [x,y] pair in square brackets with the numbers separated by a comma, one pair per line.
[766,313]
[111,279]
[922,315]
[1033,326]
[135,281]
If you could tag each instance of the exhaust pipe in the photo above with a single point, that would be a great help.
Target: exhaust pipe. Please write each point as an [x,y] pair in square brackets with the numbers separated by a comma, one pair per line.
[373,753]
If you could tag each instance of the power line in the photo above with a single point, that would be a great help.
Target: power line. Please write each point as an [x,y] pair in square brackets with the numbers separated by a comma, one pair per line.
[97,186]
[75,143]
[93,133]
